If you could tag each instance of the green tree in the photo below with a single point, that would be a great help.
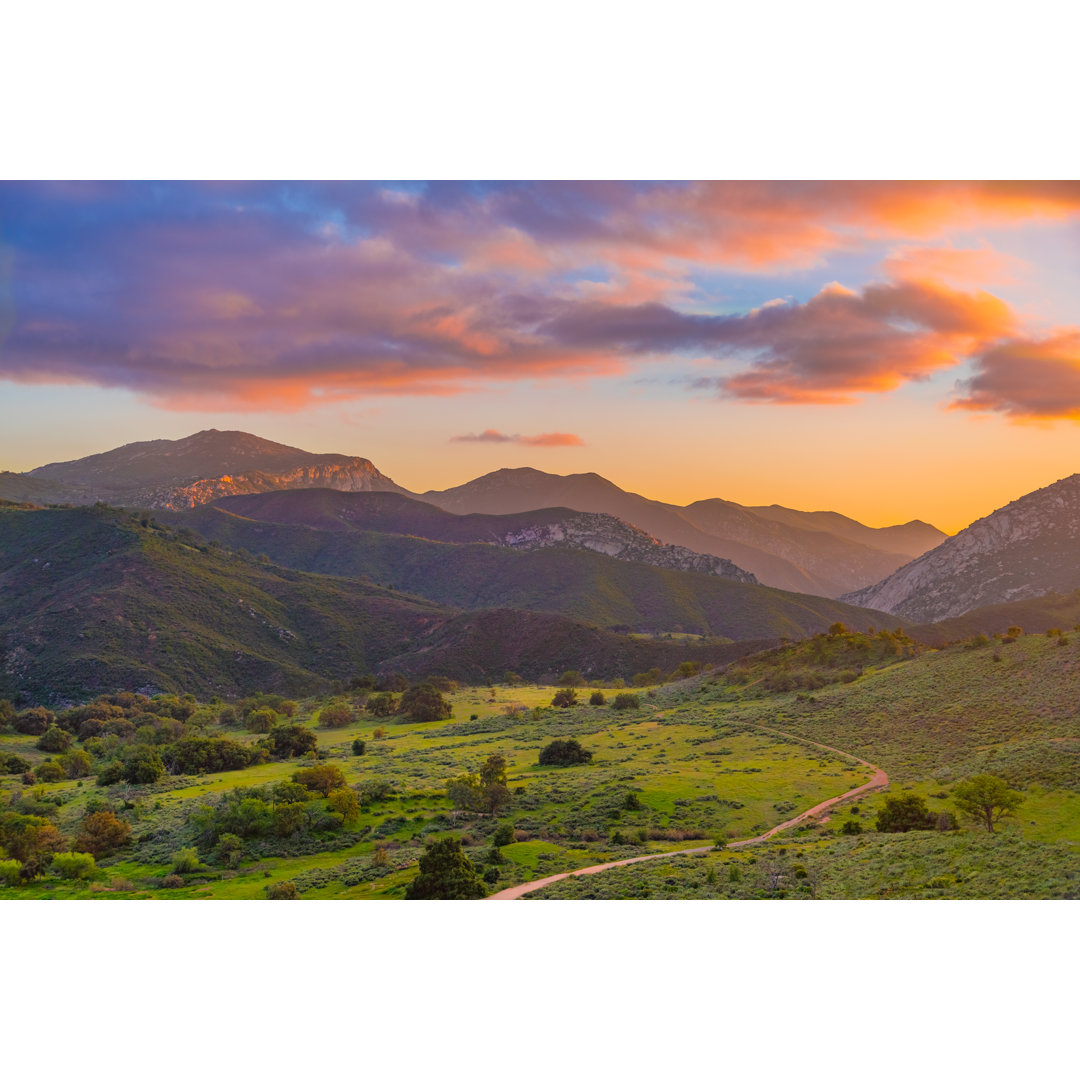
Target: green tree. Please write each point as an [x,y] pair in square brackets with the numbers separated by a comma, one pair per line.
[142,765]
[564,752]
[903,813]
[345,802]
[383,704]
[571,678]
[74,865]
[54,740]
[445,874]
[321,778]
[424,704]
[625,701]
[337,714]
[465,792]
[986,799]
[49,772]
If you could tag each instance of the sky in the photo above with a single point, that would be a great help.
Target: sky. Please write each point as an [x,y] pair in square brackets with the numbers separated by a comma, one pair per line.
[889,350]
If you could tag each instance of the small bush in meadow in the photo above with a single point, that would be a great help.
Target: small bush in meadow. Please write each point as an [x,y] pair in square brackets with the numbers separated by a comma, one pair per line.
[74,865]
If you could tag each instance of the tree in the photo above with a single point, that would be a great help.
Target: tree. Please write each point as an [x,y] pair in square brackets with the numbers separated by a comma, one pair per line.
[337,714]
[290,740]
[74,865]
[903,813]
[261,720]
[445,874]
[565,698]
[571,678]
[986,799]
[464,792]
[49,772]
[424,704]
[565,752]
[597,697]
[321,778]
[381,705]
[101,833]
[344,801]
[626,701]
[142,765]
[54,740]
[31,840]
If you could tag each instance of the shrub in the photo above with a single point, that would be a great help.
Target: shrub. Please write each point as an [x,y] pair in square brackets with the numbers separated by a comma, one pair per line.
[358,747]
[101,833]
[48,772]
[597,697]
[632,802]
[374,790]
[142,765]
[10,870]
[571,678]
[903,813]
[74,865]
[54,740]
[564,752]
[851,828]
[626,701]
[261,721]
[565,698]
[424,704]
[337,714]
[445,874]
[282,890]
[12,764]
[172,881]
[186,861]
[35,721]
[503,835]
[112,772]
[76,763]
[290,740]
[321,778]
[344,801]
[383,704]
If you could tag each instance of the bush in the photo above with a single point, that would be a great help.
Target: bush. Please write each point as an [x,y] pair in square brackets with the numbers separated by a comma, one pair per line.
[76,763]
[172,881]
[35,721]
[358,747]
[903,813]
[12,764]
[503,835]
[337,714]
[290,740]
[112,772]
[597,697]
[54,740]
[321,778]
[282,890]
[10,871]
[851,828]
[565,698]
[571,678]
[142,765]
[383,704]
[74,865]
[564,752]
[186,861]
[424,704]
[626,701]
[261,721]
[445,874]
[48,772]
[345,802]
[102,833]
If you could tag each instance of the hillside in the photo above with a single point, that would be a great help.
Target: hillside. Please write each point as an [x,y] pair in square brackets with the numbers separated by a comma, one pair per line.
[584,585]
[94,599]
[554,527]
[777,552]
[175,474]
[1026,549]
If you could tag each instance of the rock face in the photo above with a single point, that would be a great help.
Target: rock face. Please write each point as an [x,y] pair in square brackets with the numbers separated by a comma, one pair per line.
[1029,548]
[610,536]
[178,474]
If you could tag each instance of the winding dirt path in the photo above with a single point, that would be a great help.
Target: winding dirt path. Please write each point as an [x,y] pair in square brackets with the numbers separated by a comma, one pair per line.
[879,780]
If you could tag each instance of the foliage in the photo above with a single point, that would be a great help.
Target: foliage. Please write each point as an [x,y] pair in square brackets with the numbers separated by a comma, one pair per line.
[13,764]
[902,813]
[445,874]
[10,872]
[986,799]
[54,740]
[565,752]
[199,754]
[358,747]
[323,778]
[571,678]
[101,833]
[565,698]
[597,697]
[74,865]
[337,714]
[424,704]
[290,740]
[142,765]
[281,890]
[186,861]
[49,772]
[625,701]
[344,801]
[384,704]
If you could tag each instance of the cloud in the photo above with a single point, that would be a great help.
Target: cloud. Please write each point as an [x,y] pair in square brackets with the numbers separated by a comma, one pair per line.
[284,296]
[1027,379]
[551,438]
[958,266]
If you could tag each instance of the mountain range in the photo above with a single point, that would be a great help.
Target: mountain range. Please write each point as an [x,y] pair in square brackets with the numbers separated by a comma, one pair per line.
[822,553]
[1027,549]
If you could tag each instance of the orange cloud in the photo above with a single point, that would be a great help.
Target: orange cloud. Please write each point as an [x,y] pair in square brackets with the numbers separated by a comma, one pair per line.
[958,266]
[1027,379]
[552,438]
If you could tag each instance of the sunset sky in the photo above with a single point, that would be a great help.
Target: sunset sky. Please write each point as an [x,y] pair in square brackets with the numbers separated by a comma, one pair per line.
[887,350]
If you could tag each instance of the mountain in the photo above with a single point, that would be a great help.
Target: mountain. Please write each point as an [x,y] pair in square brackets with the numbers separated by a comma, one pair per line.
[94,599]
[911,539]
[1036,615]
[174,474]
[777,552]
[1026,549]
[584,585]
[545,528]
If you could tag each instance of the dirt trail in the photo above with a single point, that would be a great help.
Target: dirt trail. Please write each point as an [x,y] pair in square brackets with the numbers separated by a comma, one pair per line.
[879,780]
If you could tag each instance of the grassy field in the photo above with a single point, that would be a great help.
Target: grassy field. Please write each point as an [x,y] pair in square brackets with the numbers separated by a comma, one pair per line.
[701,759]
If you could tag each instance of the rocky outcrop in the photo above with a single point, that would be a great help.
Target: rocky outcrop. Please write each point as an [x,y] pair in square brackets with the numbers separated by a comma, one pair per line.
[1029,548]
[610,536]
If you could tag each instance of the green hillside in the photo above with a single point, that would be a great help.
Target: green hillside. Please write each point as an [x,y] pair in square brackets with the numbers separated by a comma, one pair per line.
[94,599]
[580,584]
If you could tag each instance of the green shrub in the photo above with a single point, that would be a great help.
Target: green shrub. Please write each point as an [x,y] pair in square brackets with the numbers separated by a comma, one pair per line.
[565,698]
[74,865]
[10,870]
[626,701]
[564,752]
[54,740]
[337,714]
[358,747]
[48,772]
[597,698]
[282,890]
[186,861]
[321,778]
